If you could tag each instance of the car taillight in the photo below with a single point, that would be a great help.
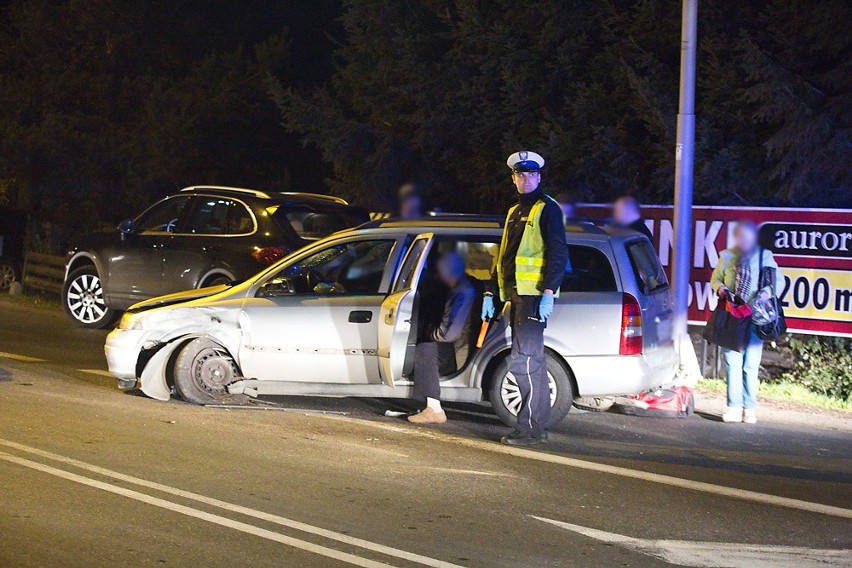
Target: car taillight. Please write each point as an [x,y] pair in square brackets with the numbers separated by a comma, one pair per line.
[631,326]
[268,255]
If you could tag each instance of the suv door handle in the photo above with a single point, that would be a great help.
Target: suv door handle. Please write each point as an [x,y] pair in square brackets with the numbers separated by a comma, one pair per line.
[360,316]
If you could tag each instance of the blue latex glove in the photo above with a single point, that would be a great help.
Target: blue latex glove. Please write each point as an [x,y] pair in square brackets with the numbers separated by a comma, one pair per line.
[487,307]
[545,307]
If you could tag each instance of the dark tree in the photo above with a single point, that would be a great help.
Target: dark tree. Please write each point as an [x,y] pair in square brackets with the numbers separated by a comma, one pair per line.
[442,91]
[108,105]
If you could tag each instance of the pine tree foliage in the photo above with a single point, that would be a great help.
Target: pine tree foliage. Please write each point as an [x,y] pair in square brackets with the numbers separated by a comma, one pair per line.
[108,105]
[440,91]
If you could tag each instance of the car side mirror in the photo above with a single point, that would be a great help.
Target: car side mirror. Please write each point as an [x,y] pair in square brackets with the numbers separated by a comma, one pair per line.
[282,286]
[125,227]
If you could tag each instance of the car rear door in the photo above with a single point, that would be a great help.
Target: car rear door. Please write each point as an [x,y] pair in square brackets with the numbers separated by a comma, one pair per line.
[652,291]
[397,309]
[587,315]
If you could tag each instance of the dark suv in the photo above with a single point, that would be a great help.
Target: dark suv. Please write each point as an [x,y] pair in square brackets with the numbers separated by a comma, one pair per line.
[202,236]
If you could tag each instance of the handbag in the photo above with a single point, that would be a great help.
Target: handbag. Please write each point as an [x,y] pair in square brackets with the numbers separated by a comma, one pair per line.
[768,316]
[730,324]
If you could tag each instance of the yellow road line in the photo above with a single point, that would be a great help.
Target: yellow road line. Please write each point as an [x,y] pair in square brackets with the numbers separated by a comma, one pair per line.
[98,372]
[21,358]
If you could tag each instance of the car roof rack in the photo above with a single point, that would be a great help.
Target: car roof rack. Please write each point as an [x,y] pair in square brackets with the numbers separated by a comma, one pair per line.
[264,194]
[439,219]
[333,198]
[469,220]
[243,190]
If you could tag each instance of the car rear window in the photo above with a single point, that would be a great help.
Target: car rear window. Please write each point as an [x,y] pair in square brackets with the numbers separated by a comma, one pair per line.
[314,225]
[588,270]
[647,269]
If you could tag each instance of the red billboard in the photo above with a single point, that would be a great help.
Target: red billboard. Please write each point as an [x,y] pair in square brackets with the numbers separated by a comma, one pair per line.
[813,248]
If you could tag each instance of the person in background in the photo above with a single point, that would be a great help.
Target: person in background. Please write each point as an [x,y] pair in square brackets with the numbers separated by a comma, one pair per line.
[409,202]
[568,205]
[530,265]
[627,213]
[449,339]
[738,272]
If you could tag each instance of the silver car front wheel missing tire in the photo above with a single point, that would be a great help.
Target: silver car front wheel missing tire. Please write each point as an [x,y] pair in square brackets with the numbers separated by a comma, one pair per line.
[203,370]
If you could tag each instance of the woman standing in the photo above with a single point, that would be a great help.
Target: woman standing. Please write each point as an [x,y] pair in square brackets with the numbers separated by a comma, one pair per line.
[738,272]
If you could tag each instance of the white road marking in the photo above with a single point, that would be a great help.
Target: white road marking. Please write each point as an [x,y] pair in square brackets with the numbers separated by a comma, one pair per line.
[99,372]
[268,517]
[21,358]
[721,490]
[196,513]
[717,554]
[473,472]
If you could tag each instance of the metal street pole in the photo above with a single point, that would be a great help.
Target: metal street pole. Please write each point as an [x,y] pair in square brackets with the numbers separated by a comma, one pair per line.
[684,156]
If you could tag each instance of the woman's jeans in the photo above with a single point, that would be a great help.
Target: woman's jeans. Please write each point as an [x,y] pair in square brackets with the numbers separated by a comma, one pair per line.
[741,370]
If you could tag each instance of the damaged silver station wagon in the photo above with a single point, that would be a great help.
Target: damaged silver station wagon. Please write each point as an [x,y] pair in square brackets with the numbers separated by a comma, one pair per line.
[340,318]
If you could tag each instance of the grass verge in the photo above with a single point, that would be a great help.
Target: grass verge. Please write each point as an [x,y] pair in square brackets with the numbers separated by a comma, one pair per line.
[784,392]
[34,300]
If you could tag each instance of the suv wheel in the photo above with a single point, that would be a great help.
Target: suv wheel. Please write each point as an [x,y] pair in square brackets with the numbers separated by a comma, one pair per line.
[216,280]
[505,395]
[83,299]
[203,370]
[8,273]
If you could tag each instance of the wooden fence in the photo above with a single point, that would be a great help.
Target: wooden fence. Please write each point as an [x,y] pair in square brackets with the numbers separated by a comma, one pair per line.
[44,272]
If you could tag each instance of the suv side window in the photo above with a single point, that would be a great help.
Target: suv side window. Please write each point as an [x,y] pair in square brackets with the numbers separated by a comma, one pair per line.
[649,273]
[589,271]
[219,216]
[314,225]
[163,217]
[354,268]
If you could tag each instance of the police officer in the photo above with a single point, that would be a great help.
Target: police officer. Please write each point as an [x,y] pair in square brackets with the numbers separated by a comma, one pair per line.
[530,265]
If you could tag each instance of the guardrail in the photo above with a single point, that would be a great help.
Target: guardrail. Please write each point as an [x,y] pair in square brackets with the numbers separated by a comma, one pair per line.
[44,272]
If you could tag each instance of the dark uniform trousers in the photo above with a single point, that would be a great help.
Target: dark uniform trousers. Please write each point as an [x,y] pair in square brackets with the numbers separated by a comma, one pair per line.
[528,365]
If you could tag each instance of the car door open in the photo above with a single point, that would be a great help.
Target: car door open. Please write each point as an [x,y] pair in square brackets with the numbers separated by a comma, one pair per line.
[397,309]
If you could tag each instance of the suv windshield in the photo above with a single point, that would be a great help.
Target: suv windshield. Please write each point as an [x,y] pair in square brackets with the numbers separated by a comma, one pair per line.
[313,225]
[646,265]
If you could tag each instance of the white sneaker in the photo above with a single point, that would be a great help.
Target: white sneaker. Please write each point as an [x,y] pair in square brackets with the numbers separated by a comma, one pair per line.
[750,416]
[733,414]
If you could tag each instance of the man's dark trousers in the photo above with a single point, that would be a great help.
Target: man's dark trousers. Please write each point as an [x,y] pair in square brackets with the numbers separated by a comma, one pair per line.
[429,358]
[528,365]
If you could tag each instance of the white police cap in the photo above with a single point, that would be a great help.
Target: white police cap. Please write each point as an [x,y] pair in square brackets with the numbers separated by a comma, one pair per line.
[525,161]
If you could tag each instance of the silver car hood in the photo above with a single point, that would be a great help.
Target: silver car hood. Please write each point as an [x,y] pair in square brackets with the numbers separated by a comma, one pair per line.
[177,298]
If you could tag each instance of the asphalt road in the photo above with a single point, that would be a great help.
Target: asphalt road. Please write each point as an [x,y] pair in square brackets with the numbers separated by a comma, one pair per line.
[91,476]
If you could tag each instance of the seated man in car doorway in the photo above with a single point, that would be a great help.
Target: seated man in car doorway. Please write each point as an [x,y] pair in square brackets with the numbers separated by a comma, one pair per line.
[448,339]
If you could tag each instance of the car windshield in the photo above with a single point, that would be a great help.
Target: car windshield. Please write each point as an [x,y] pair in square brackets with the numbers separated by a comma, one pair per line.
[313,225]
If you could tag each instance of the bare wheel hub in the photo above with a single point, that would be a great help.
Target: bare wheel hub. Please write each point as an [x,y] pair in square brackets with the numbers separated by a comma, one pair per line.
[213,370]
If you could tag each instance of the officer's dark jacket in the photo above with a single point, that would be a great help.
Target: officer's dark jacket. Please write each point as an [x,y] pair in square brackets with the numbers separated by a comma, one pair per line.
[552,232]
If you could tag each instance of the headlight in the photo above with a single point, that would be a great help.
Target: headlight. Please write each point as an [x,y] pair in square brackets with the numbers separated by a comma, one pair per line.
[130,321]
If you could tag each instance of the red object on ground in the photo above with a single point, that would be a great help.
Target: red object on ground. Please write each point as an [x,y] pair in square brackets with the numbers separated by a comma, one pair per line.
[676,402]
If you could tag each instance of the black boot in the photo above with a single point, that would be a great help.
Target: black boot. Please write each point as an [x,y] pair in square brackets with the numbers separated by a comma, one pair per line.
[518,438]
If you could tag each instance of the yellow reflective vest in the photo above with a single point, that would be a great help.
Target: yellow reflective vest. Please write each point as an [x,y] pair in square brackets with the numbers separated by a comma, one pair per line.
[529,262]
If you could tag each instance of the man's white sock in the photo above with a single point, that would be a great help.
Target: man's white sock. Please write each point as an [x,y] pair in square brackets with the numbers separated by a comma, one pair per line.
[434,404]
